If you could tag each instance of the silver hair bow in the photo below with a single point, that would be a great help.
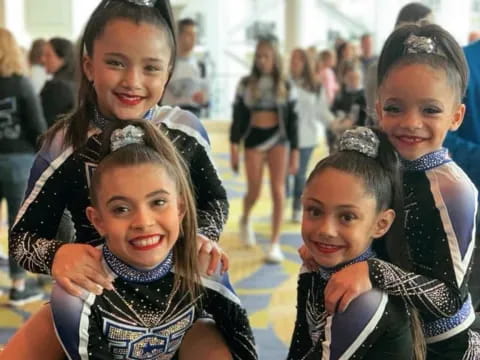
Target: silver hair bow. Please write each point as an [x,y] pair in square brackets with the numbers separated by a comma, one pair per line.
[128,135]
[148,3]
[360,139]
[420,45]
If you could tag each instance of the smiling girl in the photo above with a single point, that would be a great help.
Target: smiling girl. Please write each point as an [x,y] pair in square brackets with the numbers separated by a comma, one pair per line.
[149,224]
[351,199]
[127,54]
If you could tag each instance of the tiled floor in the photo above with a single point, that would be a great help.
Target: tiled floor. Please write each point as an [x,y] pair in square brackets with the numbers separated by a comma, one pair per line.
[267,291]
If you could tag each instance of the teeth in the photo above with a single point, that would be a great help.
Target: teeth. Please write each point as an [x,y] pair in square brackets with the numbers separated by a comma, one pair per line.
[147,241]
[328,246]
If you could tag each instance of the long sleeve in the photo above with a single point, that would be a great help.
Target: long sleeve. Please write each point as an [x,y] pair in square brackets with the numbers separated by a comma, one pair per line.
[429,296]
[440,209]
[372,327]
[191,140]
[301,341]
[241,114]
[32,114]
[230,317]
[57,98]
[32,242]
[291,121]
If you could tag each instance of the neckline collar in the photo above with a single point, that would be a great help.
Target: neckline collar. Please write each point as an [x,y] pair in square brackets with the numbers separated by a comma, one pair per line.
[132,274]
[427,161]
[327,272]
[101,121]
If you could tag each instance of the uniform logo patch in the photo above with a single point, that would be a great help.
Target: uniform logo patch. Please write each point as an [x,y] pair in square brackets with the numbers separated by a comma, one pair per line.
[139,343]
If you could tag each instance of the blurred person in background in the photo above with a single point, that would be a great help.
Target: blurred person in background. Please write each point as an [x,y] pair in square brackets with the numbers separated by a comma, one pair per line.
[349,105]
[187,88]
[313,117]
[58,94]
[325,74]
[21,123]
[367,56]
[38,74]
[265,121]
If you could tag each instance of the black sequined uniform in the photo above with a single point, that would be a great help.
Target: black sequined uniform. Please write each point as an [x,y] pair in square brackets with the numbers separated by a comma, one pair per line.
[440,211]
[146,316]
[373,327]
[60,180]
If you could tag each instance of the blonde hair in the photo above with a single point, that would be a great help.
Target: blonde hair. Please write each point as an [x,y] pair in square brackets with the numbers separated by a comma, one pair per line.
[12,60]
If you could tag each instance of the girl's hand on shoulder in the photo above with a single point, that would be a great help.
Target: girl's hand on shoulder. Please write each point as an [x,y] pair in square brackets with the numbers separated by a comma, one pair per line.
[78,267]
[210,254]
[345,285]
[307,258]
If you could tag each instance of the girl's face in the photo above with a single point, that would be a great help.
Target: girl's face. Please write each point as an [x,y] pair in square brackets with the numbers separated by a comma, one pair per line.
[50,60]
[340,219]
[265,58]
[416,107]
[139,213]
[129,68]
[297,63]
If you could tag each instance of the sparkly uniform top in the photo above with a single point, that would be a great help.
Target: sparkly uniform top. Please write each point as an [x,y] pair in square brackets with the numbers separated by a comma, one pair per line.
[440,210]
[374,326]
[146,316]
[245,103]
[60,178]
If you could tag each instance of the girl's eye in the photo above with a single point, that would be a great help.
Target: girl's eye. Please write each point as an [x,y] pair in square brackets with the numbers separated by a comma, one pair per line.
[152,68]
[432,110]
[114,63]
[120,210]
[159,202]
[313,211]
[391,109]
[348,217]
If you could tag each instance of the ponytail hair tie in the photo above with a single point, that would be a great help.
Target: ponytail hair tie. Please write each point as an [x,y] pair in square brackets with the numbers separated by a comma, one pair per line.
[362,140]
[130,134]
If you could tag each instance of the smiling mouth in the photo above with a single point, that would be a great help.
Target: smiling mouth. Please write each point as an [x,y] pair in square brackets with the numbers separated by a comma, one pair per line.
[409,139]
[146,242]
[327,248]
[129,99]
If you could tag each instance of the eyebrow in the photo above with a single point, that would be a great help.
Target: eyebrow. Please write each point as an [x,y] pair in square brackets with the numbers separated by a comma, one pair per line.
[343,206]
[422,100]
[150,195]
[124,56]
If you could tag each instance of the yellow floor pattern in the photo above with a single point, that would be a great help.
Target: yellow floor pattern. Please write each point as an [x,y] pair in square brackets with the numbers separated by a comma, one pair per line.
[268,292]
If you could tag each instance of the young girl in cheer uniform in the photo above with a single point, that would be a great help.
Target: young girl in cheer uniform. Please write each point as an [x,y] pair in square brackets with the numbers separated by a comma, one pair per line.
[143,206]
[422,76]
[264,118]
[127,56]
[351,198]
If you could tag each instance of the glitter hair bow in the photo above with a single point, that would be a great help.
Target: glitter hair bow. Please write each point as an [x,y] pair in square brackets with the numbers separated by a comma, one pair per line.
[420,45]
[148,3]
[360,139]
[128,135]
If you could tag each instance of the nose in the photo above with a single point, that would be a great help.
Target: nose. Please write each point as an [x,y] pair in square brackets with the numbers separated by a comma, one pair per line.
[326,227]
[412,121]
[143,219]
[131,78]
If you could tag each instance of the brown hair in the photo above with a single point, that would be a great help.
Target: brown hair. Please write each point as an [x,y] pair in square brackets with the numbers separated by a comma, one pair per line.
[12,60]
[158,149]
[78,123]
[306,79]
[36,51]
[278,78]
